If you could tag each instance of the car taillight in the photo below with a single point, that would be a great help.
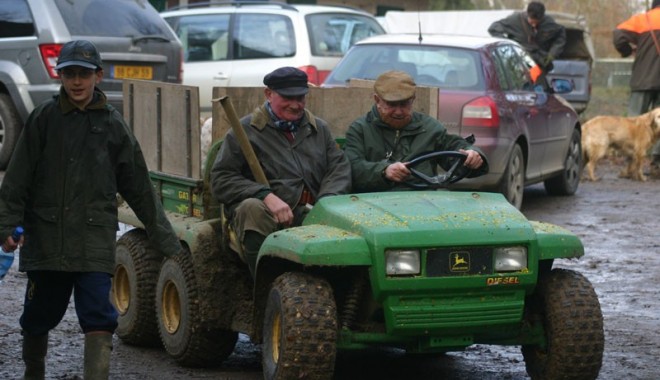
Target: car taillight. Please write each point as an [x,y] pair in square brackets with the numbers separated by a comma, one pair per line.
[480,112]
[314,76]
[49,54]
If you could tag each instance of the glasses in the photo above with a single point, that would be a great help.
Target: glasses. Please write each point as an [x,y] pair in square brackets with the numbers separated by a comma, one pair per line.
[399,104]
[73,73]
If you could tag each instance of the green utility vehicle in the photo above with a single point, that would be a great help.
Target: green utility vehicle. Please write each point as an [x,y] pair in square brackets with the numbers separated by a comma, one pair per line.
[428,271]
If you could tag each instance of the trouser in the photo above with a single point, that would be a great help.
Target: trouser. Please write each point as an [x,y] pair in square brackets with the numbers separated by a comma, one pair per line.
[642,102]
[252,222]
[47,298]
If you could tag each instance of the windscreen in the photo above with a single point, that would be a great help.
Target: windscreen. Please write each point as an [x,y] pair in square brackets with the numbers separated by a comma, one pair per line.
[435,66]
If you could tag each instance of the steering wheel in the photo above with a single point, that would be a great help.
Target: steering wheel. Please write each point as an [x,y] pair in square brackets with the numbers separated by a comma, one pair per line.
[455,173]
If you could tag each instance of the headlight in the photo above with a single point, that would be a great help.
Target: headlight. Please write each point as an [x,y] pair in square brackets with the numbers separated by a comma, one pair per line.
[510,259]
[402,262]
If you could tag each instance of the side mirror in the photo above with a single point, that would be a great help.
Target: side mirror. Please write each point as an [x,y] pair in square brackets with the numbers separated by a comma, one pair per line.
[562,86]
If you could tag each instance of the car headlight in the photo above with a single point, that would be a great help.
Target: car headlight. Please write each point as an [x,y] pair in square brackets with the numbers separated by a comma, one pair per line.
[510,259]
[402,262]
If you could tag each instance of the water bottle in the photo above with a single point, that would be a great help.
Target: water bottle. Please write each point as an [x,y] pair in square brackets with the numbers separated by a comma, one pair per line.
[7,258]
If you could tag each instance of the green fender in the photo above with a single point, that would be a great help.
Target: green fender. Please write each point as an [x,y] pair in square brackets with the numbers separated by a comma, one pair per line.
[317,245]
[555,242]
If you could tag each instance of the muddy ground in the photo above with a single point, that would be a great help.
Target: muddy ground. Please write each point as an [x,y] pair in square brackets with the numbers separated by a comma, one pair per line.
[616,219]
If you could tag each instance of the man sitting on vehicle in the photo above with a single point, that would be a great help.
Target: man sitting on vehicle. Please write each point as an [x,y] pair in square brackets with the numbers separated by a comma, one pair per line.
[299,157]
[379,143]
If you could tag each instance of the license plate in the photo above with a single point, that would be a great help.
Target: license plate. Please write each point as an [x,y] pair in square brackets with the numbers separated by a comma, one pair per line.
[133,72]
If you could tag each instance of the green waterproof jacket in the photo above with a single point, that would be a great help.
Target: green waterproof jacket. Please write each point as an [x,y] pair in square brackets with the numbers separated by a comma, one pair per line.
[312,161]
[62,182]
[371,146]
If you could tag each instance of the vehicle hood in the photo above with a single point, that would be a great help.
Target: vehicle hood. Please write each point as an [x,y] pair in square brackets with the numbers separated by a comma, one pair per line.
[425,218]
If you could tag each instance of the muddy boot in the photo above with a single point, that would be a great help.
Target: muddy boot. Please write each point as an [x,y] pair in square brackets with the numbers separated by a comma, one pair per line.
[251,243]
[34,356]
[98,346]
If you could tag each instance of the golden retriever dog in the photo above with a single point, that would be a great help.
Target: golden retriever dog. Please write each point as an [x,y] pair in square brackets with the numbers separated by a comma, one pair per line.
[631,136]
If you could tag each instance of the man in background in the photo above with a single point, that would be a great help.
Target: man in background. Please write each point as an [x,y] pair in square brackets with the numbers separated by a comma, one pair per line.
[535,31]
[639,36]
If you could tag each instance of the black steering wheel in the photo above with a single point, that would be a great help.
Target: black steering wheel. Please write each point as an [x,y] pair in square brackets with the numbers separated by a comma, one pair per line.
[455,173]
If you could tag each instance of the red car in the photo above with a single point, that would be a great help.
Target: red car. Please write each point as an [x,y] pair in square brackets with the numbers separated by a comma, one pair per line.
[529,133]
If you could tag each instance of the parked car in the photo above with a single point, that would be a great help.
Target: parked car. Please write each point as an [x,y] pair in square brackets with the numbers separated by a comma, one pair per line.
[234,44]
[574,64]
[528,132]
[132,38]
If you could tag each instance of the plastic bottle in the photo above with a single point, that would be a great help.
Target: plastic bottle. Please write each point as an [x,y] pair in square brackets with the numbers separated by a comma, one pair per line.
[7,258]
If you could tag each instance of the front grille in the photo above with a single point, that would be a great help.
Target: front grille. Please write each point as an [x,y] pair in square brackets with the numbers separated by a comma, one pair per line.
[459,261]
[453,312]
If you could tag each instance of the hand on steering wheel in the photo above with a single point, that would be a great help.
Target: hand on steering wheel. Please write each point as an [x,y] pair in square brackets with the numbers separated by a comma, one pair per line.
[455,173]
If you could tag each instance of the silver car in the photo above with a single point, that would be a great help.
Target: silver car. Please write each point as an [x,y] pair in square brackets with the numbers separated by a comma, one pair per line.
[132,38]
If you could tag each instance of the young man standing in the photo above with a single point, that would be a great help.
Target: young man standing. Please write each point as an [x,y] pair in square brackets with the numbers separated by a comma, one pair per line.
[74,155]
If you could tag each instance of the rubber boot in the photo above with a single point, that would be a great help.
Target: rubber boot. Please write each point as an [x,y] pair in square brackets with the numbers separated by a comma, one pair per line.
[251,243]
[98,346]
[35,348]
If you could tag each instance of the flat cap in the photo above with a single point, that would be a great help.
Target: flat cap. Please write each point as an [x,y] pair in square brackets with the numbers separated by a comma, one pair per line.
[393,86]
[287,81]
[79,53]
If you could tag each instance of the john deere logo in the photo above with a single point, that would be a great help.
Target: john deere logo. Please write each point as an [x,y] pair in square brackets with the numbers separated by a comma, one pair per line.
[459,261]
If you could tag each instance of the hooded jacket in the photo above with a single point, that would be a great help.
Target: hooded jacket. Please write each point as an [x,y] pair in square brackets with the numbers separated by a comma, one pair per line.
[636,31]
[372,145]
[62,184]
[312,161]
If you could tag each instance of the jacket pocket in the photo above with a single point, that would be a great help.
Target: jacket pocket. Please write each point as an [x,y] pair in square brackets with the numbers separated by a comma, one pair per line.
[101,230]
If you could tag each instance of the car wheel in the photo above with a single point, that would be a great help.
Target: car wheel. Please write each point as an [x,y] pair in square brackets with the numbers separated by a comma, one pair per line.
[513,183]
[568,307]
[567,182]
[134,289]
[300,329]
[177,306]
[10,128]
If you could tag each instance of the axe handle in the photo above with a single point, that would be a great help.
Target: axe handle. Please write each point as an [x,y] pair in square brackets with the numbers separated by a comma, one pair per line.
[243,141]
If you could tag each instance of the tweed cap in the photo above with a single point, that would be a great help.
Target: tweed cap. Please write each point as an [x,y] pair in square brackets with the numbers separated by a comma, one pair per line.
[287,81]
[79,53]
[393,86]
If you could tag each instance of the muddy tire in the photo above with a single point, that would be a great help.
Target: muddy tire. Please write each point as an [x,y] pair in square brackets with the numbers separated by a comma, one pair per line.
[134,289]
[573,322]
[567,182]
[177,308]
[513,182]
[300,329]
[10,129]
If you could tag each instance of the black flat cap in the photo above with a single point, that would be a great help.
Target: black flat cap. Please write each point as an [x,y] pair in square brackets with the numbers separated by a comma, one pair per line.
[287,81]
[79,53]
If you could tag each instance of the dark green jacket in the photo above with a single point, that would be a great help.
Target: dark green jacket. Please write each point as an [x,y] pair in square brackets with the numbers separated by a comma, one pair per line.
[313,161]
[62,184]
[371,146]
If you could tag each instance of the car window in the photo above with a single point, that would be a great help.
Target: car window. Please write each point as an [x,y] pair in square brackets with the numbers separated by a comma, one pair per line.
[125,18]
[15,19]
[429,65]
[204,37]
[513,67]
[333,34]
[263,36]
